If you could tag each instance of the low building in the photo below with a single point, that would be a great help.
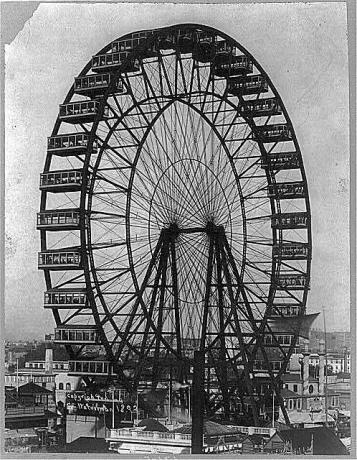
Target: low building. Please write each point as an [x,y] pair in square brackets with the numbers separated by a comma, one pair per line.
[216,439]
[31,394]
[139,442]
[41,364]
[315,441]
[336,361]
[87,426]
[11,399]
[88,445]
[336,341]
[308,419]
[25,440]
[52,375]
[24,376]
[35,408]
[341,386]
[253,443]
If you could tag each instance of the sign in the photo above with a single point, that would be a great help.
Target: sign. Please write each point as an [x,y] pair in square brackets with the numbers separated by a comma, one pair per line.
[80,403]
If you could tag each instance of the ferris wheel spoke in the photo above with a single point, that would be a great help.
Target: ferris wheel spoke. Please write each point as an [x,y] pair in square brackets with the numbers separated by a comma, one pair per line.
[163,77]
[259,252]
[178,155]
[149,86]
[183,78]
[115,277]
[192,273]
[250,186]
[185,171]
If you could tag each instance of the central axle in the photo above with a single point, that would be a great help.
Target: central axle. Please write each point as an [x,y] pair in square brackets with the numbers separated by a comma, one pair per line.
[210,229]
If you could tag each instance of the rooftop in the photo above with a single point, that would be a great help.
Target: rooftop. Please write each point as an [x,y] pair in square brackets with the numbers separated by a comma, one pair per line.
[322,439]
[209,429]
[150,424]
[87,445]
[285,393]
[307,417]
[291,378]
[32,388]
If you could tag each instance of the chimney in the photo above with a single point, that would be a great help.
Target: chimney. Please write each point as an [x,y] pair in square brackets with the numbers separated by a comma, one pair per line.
[305,375]
[49,359]
[321,367]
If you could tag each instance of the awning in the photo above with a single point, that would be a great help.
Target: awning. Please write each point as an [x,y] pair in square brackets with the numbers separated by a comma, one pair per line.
[293,323]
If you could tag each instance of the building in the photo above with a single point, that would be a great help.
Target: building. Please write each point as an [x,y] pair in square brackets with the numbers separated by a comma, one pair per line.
[88,445]
[129,441]
[23,440]
[292,400]
[315,441]
[335,341]
[308,419]
[253,443]
[216,439]
[24,376]
[336,362]
[340,384]
[31,394]
[34,408]
[50,374]
[64,384]
[41,364]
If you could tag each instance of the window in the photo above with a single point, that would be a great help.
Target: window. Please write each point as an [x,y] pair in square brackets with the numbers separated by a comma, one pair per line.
[60,386]
[311,388]
[295,388]
[68,386]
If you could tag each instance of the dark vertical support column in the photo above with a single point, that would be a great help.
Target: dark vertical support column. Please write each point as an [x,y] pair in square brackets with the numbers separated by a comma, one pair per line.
[197,402]
[207,294]
[258,335]
[156,366]
[242,344]
[222,343]
[124,336]
[143,349]
[176,296]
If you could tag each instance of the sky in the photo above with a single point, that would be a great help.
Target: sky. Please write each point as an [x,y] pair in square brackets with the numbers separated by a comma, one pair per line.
[302,47]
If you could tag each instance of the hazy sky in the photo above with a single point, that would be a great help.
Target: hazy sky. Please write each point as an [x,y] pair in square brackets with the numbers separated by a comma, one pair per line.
[302,47]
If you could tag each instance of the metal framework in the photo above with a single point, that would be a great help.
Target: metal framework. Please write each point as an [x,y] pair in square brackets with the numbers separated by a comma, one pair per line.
[175,218]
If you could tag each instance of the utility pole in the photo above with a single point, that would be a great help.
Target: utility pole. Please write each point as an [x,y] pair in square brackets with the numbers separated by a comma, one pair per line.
[273,409]
[189,403]
[170,391]
[198,406]
[326,412]
[17,375]
[113,419]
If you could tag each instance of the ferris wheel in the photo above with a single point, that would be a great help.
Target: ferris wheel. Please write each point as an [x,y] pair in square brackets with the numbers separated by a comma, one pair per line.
[175,217]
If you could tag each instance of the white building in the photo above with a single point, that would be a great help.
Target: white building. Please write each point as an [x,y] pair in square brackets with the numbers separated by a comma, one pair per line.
[23,376]
[64,384]
[52,375]
[337,362]
[40,364]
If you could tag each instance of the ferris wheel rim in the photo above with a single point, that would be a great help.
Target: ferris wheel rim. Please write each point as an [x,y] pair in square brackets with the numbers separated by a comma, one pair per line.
[83,193]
